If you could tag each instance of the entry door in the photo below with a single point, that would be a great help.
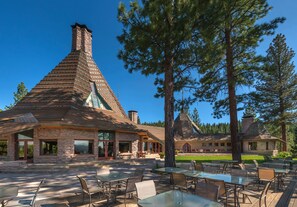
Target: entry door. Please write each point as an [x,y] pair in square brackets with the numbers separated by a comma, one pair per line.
[105,149]
[25,150]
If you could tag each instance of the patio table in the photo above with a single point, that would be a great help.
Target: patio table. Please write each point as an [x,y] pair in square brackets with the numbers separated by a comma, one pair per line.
[111,179]
[276,165]
[8,193]
[170,170]
[227,178]
[175,198]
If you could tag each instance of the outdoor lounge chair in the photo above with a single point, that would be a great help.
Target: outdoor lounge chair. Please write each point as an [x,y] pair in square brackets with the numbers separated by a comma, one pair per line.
[86,190]
[224,192]
[207,190]
[257,194]
[180,181]
[145,189]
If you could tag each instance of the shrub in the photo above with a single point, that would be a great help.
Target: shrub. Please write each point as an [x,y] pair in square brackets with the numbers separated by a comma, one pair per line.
[284,155]
[162,155]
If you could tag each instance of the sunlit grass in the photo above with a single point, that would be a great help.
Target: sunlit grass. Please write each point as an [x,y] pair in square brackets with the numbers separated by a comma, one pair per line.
[209,158]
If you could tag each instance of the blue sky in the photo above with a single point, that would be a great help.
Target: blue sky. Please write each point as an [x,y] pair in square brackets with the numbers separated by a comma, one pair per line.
[36,35]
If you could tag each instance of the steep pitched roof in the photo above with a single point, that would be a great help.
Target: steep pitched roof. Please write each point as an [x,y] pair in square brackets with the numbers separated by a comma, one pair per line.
[184,127]
[257,131]
[156,133]
[74,92]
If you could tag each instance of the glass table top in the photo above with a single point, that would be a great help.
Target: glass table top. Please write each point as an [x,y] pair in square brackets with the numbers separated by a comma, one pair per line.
[113,177]
[227,178]
[175,198]
[171,170]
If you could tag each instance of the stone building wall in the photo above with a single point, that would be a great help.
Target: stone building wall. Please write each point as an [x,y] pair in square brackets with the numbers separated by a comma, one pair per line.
[65,139]
[10,147]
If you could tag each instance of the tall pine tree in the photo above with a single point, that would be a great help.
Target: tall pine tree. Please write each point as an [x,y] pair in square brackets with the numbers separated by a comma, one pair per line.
[276,90]
[229,38]
[18,95]
[157,40]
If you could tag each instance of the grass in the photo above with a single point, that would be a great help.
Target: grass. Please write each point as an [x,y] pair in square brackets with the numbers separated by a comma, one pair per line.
[209,158]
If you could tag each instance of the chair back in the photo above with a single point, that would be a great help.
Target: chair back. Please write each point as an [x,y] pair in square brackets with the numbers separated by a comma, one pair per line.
[220,184]
[207,190]
[130,185]
[199,167]
[238,172]
[102,170]
[256,163]
[210,169]
[36,192]
[83,184]
[266,174]
[242,166]
[179,180]
[145,189]
[193,165]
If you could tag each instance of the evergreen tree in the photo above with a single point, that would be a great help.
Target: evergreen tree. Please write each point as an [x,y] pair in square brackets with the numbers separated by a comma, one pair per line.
[229,38]
[294,145]
[18,95]
[276,91]
[157,40]
[195,117]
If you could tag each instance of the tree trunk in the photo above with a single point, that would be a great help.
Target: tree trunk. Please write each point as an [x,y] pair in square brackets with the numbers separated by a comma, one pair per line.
[284,136]
[169,114]
[236,146]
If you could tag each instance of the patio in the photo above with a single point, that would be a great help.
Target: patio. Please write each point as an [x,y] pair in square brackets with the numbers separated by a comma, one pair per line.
[64,185]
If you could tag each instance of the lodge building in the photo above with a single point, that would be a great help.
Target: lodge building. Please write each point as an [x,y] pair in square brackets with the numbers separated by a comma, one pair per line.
[72,114]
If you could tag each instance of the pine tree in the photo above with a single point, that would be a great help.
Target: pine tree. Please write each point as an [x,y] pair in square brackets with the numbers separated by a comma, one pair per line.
[195,117]
[276,91]
[157,40]
[294,145]
[18,95]
[230,37]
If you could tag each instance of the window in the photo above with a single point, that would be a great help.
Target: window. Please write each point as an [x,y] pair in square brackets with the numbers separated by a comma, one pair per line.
[83,146]
[203,144]
[124,147]
[222,144]
[3,147]
[210,144]
[48,147]
[267,145]
[105,136]
[229,144]
[252,145]
[216,144]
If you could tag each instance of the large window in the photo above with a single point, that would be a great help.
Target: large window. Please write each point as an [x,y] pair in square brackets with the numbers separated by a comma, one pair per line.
[3,147]
[106,144]
[252,145]
[124,147]
[48,147]
[83,147]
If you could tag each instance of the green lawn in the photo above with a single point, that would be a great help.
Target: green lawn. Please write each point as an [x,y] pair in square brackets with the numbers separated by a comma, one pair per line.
[209,158]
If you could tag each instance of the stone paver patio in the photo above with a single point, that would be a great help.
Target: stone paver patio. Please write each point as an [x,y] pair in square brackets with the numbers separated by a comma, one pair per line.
[64,184]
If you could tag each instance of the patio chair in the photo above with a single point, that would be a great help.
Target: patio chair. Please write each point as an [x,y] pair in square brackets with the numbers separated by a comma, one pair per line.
[86,190]
[211,169]
[199,167]
[180,181]
[242,166]
[224,192]
[36,192]
[145,189]
[238,172]
[207,190]
[267,174]
[130,187]
[139,172]
[256,163]
[256,194]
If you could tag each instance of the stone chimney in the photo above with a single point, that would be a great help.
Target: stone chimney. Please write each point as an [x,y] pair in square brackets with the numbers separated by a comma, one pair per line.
[246,122]
[133,116]
[81,38]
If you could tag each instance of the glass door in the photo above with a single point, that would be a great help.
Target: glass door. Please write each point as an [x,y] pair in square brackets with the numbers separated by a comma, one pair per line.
[106,146]
[25,150]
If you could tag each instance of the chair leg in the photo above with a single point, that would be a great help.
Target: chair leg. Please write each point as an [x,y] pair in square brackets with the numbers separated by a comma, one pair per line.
[265,202]
[125,199]
[260,204]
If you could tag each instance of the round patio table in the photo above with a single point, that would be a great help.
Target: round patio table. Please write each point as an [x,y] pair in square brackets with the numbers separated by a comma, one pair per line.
[8,193]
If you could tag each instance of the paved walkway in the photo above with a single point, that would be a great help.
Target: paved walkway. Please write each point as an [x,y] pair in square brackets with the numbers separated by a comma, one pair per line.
[65,185]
